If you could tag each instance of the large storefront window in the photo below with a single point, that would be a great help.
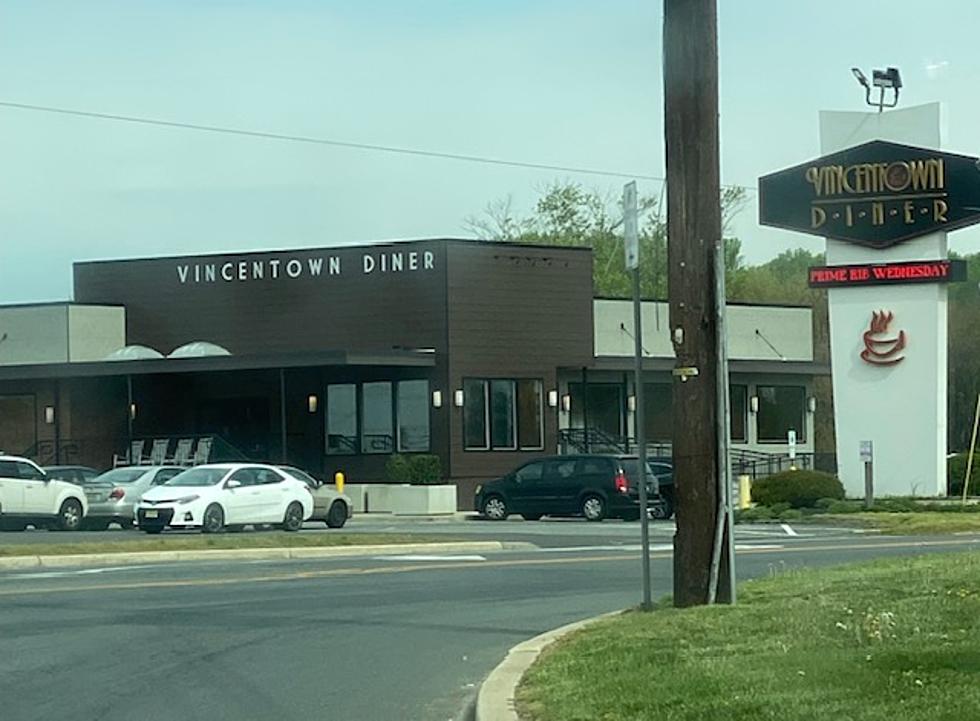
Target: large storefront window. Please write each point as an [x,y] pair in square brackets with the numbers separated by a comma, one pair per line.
[599,407]
[738,409]
[413,416]
[503,414]
[781,409]
[377,435]
[342,418]
[658,411]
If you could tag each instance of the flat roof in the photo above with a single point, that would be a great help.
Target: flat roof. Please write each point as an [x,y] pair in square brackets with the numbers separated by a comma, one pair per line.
[400,358]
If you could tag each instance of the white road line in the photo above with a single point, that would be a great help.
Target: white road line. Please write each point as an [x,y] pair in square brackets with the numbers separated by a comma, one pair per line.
[80,571]
[411,557]
[655,548]
[788,529]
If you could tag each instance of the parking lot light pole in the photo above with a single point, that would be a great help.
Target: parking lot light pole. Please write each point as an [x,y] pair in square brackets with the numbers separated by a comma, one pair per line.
[632,248]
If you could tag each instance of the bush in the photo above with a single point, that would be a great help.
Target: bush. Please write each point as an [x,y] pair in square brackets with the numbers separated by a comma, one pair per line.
[791,514]
[800,489]
[423,469]
[956,472]
[758,513]
[825,503]
[779,509]
[844,507]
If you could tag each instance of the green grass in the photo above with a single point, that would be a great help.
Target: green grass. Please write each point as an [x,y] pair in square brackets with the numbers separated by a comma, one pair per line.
[925,523]
[895,640]
[222,541]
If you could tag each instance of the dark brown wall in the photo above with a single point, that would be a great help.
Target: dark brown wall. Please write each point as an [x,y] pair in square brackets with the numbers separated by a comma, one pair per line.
[514,312]
[353,310]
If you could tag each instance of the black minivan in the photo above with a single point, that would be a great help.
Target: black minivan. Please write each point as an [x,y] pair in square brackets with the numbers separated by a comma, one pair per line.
[594,486]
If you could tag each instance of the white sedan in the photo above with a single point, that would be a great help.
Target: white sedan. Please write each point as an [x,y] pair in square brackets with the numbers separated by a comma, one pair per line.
[226,495]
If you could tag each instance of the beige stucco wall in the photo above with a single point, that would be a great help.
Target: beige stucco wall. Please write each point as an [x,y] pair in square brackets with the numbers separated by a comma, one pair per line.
[95,331]
[60,333]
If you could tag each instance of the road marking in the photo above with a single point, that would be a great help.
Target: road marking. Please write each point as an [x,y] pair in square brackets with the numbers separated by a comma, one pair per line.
[84,571]
[385,570]
[429,558]
[788,529]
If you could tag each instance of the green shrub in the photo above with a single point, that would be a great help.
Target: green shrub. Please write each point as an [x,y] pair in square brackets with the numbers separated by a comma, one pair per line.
[779,509]
[420,470]
[896,505]
[800,489]
[791,514]
[844,507]
[956,472]
[825,503]
[756,513]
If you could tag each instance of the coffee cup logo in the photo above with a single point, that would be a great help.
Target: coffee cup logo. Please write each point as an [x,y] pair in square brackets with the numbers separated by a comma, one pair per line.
[878,350]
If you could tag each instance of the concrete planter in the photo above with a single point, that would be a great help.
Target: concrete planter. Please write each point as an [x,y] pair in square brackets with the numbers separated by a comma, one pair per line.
[402,499]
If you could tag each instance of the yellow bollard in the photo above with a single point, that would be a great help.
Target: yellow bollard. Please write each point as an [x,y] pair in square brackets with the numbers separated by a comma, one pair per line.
[338,479]
[744,492]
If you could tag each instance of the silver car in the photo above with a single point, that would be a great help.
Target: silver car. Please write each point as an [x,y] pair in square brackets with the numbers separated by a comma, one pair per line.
[113,495]
[329,506]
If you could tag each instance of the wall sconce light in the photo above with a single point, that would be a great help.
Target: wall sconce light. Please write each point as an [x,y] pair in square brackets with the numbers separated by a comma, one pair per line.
[132,411]
[811,404]
[552,399]
[754,404]
[49,415]
[458,398]
[566,403]
[631,403]
[437,399]
[312,402]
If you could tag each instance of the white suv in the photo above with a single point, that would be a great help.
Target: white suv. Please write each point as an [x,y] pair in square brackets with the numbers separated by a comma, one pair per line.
[29,496]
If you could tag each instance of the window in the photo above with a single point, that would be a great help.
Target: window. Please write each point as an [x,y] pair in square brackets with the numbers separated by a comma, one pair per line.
[377,434]
[601,407]
[342,418]
[503,414]
[658,411]
[781,409]
[475,421]
[8,469]
[562,469]
[532,472]
[595,467]
[413,415]
[30,472]
[530,414]
[738,408]
[165,475]
[245,476]
[265,477]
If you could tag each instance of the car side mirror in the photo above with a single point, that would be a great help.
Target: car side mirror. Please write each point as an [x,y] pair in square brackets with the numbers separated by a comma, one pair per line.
[233,483]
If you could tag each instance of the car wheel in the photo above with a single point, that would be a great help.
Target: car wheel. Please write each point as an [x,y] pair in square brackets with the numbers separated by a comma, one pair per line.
[126,525]
[531,516]
[337,516]
[593,508]
[214,519]
[662,510]
[495,508]
[293,520]
[70,515]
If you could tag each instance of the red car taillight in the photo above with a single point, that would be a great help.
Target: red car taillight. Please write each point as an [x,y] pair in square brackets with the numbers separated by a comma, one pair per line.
[622,484]
[117,494]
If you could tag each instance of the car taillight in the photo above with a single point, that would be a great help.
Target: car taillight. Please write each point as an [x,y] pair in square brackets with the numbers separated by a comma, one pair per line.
[622,484]
[117,493]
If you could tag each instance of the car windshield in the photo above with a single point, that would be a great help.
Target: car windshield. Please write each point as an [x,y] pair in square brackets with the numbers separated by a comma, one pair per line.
[198,477]
[119,476]
[301,476]
[632,468]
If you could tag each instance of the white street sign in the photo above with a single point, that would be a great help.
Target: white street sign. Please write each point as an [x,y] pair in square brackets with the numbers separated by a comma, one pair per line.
[630,226]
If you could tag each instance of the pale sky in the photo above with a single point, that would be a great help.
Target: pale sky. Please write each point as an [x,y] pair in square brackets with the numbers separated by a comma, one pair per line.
[563,82]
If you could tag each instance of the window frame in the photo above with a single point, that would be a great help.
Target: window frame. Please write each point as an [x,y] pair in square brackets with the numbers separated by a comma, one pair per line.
[396,401]
[486,389]
[801,434]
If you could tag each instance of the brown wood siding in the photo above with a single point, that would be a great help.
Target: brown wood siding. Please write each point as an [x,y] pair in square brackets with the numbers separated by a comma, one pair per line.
[514,312]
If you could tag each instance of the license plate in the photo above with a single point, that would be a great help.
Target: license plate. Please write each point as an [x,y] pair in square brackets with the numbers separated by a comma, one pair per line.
[150,514]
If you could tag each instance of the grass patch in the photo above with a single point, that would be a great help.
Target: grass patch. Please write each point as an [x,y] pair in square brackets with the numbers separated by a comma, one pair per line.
[883,641]
[221,541]
[925,523]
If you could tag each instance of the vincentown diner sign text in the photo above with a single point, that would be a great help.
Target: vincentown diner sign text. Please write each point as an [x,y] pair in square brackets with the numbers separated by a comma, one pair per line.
[291,268]
[876,194]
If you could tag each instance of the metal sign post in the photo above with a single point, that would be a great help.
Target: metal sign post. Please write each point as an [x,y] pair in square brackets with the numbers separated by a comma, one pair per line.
[868,457]
[632,248]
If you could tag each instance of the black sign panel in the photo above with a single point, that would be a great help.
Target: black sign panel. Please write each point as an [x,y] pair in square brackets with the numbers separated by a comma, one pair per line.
[876,194]
[913,271]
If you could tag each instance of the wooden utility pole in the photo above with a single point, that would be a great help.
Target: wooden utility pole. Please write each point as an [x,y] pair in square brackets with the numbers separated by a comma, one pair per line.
[690,52]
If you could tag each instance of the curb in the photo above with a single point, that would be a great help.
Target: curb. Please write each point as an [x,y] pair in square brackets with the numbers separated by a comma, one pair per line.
[234,554]
[495,701]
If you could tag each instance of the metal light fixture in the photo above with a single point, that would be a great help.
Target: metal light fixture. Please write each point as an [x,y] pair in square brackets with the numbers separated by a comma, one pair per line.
[811,404]
[566,403]
[49,415]
[312,402]
[888,79]
[552,399]
[754,404]
[437,399]
[132,411]
[458,398]
[631,404]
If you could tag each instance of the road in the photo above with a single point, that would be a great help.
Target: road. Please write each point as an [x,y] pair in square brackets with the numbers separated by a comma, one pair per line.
[358,638]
